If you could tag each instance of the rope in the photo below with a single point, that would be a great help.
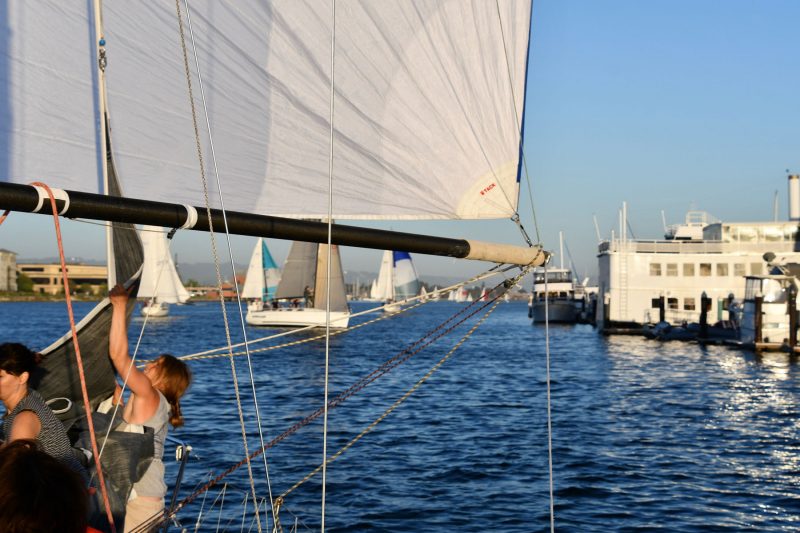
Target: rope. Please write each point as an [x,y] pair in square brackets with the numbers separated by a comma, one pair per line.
[86,405]
[395,405]
[213,242]
[362,383]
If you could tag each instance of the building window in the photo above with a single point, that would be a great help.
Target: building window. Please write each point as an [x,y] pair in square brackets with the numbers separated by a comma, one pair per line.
[739,270]
[688,304]
[705,269]
[688,270]
[756,269]
[672,303]
[655,269]
[672,269]
[722,269]
[655,303]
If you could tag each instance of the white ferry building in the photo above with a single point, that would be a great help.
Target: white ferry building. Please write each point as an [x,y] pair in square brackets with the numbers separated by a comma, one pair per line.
[701,255]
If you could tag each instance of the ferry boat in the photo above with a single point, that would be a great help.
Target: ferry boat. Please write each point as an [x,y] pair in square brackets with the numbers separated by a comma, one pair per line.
[643,282]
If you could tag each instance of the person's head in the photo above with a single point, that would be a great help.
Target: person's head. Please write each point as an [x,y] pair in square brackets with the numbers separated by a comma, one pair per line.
[172,377]
[17,363]
[38,492]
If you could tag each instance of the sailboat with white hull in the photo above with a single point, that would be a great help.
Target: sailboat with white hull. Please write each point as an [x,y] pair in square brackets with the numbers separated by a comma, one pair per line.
[413,136]
[263,276]
[300,297]
[160,285]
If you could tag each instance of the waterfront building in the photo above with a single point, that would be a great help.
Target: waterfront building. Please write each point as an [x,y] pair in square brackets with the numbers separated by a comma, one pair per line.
[637,277]
[8,270]
[46,277]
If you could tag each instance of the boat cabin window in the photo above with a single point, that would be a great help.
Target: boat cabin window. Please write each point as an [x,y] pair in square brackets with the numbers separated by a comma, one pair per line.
[672,269]
[655,269]
[552,277]
[688,270]
[672,303]
[705,269]
[722,269]
[688,304]
[756,269]
[739,270]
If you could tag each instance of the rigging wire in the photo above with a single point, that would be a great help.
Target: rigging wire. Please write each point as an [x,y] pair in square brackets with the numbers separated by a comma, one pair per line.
[328,267]
[362,383]
[280,499]
[207,354]
[515,218]
[547,298]
[213,244]
[547,381]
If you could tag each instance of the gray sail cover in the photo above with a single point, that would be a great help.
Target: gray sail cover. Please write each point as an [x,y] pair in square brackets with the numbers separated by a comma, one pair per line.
[57,375]
[428,103]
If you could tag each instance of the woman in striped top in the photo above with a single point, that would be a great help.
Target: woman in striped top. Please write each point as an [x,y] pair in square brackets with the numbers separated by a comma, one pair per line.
[28,416]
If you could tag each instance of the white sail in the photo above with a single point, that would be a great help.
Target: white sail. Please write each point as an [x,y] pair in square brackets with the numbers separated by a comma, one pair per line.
[263,274]
[428,114]
[384,287]
[373,290]
[159,278]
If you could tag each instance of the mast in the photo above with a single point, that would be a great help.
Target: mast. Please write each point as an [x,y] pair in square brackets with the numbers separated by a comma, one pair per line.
[100,51]
[73,204]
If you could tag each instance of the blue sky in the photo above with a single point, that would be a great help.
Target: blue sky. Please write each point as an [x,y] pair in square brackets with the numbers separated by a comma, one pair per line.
[668,105]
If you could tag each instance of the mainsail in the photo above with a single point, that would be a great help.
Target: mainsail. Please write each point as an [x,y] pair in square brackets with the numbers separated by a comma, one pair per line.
[428,121]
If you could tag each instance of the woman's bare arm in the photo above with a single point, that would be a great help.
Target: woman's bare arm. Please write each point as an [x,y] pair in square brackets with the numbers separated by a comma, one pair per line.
[138,383]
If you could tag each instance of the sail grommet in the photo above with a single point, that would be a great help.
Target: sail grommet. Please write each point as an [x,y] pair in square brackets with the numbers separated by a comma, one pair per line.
[191,217]
[58,194]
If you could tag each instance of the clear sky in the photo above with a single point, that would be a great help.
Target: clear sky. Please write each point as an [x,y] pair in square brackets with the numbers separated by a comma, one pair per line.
[668,105]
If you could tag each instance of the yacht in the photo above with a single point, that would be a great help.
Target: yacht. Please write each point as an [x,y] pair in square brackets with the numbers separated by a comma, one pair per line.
[553,296]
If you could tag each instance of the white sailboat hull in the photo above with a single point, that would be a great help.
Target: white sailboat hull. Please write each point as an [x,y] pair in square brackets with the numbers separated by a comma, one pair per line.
[392,308]
[158,309]
[296,318]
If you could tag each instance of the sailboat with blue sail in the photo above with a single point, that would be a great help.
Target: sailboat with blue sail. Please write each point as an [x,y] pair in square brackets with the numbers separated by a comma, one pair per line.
[262,278]
[397,280]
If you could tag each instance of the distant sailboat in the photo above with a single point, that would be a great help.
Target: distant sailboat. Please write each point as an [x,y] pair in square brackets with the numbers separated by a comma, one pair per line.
[304,279]
[397,280]
[263,276]
[160,285]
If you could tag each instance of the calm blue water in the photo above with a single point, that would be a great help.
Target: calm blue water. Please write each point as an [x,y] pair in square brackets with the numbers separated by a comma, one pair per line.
[646,436]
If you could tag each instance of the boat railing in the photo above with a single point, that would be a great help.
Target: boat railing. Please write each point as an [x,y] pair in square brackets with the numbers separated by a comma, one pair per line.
[696,247]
